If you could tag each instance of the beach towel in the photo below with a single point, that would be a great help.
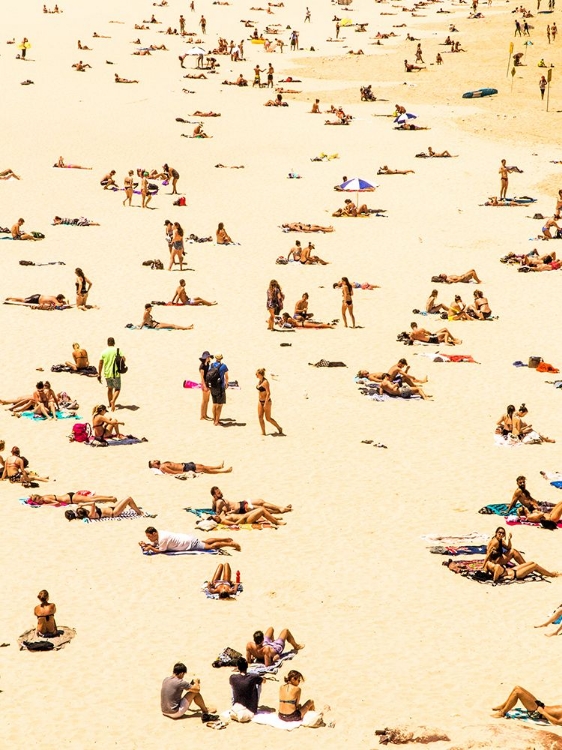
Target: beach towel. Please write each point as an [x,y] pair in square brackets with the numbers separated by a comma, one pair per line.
[474,537]
[60,415]
[205,590]
[517,521]
[441,357]
[272,720]
[469,549]
[261,669]
[90,371]
[244,527]
[175,553]
[327,363]
[533,438]
[472,569]
[127,514]
[129,440]
[200,512]
[500,509]
[531,716]
[191,384]
[60,641]
[27,501]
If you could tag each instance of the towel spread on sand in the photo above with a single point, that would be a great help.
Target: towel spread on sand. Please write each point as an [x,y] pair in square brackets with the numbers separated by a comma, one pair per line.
[441,357]
[200,512]
[523,715]
[533,438]
[205,590]
[244,526]
[60,415]
[272,720]
[175,553]
[60,641]
[474,537]
[27,501]
[127,514]
[90,371]
[454,551]
[472,569]
[500,509]
[273,668]
[516,521]
[96,443]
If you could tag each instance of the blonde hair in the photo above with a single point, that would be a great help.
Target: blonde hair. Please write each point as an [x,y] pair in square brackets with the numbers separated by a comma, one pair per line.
[97,409]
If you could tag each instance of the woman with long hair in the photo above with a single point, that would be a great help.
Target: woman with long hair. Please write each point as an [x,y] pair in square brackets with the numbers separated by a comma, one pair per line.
[177,251]
[83,286]
[275,299]
[264,402]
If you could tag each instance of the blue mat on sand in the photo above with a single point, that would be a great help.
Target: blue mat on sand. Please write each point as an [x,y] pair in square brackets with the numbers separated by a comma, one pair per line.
[500,509]
[200,512]
[60,415]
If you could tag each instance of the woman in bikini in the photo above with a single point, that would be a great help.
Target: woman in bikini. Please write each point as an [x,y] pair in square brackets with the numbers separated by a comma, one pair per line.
[93,513]
[290,707]
[499,549]
[264,402]
[45,614]
[347,300]
[173,175]
[222,236]
[104,427]
[177,251]
[221,582]
[505,423]
[480,308]
[553,714]
[68,498]
[128,187]
[457,310]
[83,286]
[548,520]
[521,429]
[498,556]
[275,299]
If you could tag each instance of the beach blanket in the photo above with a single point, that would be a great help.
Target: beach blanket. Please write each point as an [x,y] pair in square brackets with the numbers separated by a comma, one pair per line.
[371,390]
[469,549]
[172,553]
[60,415]
[517,521]
[90,371]
[472,569]
[244,527]
[129,440]
[474,537]
[191,384]
[531,716]
[200,512]
[261,669]
[60,641]
[533,438]
[27,501]
[440,357]
[127,514]
[500,509]
[327,363]
[272,720]
[205,590]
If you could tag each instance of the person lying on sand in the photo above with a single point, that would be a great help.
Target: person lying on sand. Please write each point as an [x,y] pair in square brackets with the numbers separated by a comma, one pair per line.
[62,165]
[93,513]
[410,67]
[464,278]
[180,297]
[287,322]
[221,582]
[81,222]
[552,517]
[149,322]
[264,648]
[169,467]
[17,234]
[206,114]
[277,102]
[196,75]
[403,390]
[221,504]
[257,515]
[442,336]
[81,67]
[493,201]
[299,227]
[168,541]
[7,173]
[386,170]
[84,48]
[433,154]
[240,81]
[42,301]
[500,572]
[70,498]
[556,616]
[118,79]
[101,36]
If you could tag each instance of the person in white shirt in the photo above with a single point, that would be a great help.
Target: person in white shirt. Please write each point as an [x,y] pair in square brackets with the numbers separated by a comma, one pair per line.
[169,541]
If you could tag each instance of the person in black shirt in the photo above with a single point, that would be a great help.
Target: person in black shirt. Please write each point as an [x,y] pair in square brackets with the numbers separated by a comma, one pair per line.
[245,687]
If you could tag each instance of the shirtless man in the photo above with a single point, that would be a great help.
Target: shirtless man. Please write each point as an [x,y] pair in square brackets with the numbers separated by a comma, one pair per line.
[45,302]
[81,67]
[145,195]
[169,467]
[386,170]
[17,234]
[267,649]
[181,298]
[123,80]
[434,154]
[432,306]
[442,336]
[149,322]
[301,308]
[503,172]
[402,368]
[80,357]
[523,497]
[220,504]
[464,278]
[107,180]
[288,322]
[307,259]
[545,230]
[316,108]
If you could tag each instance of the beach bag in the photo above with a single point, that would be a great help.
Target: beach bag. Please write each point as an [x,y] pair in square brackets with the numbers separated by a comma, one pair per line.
[535,361]
[38,645]
[120,365]
[313,720]
[228,657]
[206,524]
[81,432]
[213,377]
[546,367]
[240,713]
[38,235]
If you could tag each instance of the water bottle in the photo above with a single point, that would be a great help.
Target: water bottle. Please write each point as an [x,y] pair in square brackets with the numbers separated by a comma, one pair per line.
[237,576]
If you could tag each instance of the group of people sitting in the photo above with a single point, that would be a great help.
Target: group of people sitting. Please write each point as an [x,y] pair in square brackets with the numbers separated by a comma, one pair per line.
[511,426]
[397,381]
[457,310]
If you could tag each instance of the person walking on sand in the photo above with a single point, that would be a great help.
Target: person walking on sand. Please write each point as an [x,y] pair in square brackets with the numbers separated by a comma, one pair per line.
[542,86]
[275,299]
[128,187]
[264,402]
[145,195]
[548,33]
[217,381]
[517,28]
[205,361]
[554,31]
[307,15]
[176,695]
[110,359]
[203,24]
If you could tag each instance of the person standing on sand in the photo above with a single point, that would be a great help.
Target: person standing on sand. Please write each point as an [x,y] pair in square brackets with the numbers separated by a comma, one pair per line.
[128,186]
[145,195]
[554,30]
[548,33]
[275,299]
[205,361]
[347,300]
[182,25]
[517,28]
[270,72]
[503,172]
[264,402]
[337,29]
[217,381]
[108,368]
[542,86]
[203,24]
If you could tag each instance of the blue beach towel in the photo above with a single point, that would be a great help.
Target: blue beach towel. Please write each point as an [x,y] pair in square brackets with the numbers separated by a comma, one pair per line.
[60,415]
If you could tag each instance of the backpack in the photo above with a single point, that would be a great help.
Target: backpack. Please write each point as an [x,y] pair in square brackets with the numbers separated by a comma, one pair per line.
[120,366]
[213,377]
[227,658]
[81,432]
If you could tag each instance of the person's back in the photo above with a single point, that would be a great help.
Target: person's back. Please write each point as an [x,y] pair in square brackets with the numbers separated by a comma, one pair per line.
[245,687]
[108,357]
[45,611]
[81,359]
[170,541]
[171,693]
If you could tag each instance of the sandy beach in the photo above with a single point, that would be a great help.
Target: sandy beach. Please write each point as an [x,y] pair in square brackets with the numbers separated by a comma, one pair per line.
[392,638]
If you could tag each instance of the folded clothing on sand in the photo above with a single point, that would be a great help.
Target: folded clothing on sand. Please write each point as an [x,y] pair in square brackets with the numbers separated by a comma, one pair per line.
[90,371]
[65,635]
[454,551]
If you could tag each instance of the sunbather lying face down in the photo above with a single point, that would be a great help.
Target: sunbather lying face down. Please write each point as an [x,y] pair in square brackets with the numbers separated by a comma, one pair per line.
[66,498]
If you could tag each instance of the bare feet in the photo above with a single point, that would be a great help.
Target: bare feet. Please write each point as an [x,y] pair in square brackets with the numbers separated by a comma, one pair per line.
[237,546]
[299,647]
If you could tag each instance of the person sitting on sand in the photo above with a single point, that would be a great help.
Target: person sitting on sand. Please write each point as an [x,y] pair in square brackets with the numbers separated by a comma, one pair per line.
[552,714]
[83,46]
[401,390]
[42,301]
[80,497]
[277,102]
[181,298]
[93,513]
[350,209]
[221,582]
[307,259]
[410,67]
[432,306]
[169,467]
[287,322]
[16,469]
[169,541]
[401,371]
[547,229]
[223,238]
[442,336]
[149,322]
[501,572]
[556,616]
[104,427]
[240,81]
[464,278]
[386,170]
[266,649]
[290,706]
[480,308]
[220,504]
[521,429]
[521,496]
[298,226]
[118,79]
[177,695]
[45,614]
[457,310]
[316,108]
[500,551]
[198,132]
[17,234]
[80,67]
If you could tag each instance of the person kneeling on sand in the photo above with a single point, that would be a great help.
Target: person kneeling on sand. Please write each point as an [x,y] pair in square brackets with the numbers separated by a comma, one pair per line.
[442,336]
[553,714]
[174,702]
[266,649]
[169,541]
[170,467]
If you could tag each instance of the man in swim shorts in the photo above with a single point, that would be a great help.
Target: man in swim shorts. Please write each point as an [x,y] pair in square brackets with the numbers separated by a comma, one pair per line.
[443,336]
[17,234]
[267,649]
[169,541]
[169,467]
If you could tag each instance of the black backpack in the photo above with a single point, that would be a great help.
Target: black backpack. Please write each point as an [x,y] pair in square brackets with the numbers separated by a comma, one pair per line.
[120,365]
[213,377]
